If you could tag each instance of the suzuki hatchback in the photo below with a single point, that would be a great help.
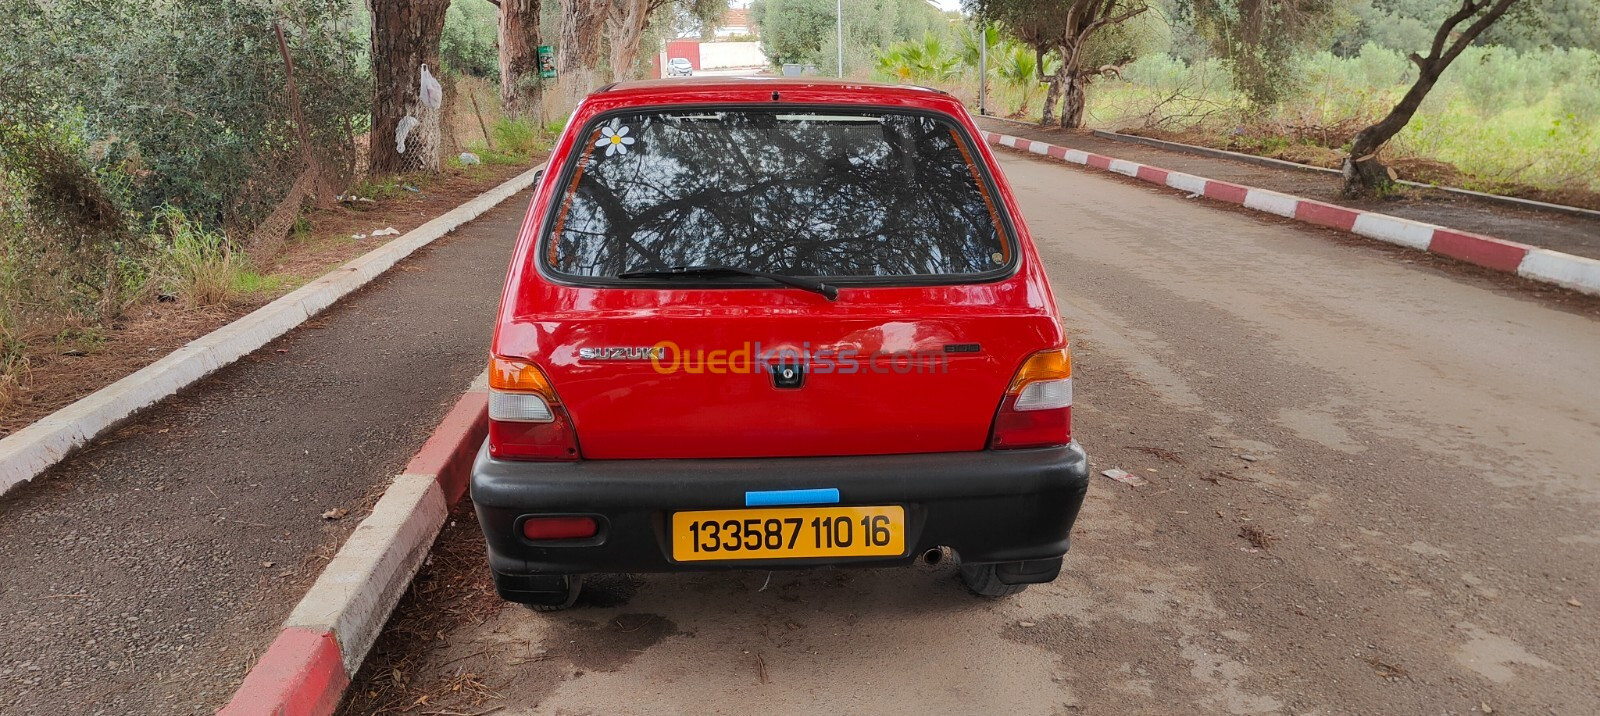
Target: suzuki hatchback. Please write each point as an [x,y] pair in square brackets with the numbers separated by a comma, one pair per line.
[758,324]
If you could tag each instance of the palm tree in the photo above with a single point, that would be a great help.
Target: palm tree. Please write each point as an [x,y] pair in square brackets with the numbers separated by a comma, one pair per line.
[925,60]
[969,45]
[1018,68]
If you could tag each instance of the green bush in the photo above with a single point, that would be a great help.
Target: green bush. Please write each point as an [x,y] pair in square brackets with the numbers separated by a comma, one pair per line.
[133,134]
[1580,87]
[517,136]
[926,60]
[186,98]
[469,43]
[194,263]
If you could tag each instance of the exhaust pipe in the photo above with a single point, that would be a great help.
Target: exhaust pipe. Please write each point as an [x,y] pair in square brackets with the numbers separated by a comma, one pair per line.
[933,556]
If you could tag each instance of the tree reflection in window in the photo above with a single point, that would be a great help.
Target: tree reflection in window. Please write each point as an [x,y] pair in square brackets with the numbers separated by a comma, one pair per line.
[798,193]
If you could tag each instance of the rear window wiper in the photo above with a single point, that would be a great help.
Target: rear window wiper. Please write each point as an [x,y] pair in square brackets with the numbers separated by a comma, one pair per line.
[827,291]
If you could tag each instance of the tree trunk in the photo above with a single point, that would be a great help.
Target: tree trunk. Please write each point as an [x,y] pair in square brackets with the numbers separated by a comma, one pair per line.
[520,88]
[405,36]
[1075,101]
[1363,172]
[1058,83]
[449,143]
[578,60]
[626,26]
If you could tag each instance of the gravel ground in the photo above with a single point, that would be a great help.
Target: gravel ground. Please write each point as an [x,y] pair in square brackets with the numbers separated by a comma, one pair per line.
[1370,490]
[1544,229]
[146,574]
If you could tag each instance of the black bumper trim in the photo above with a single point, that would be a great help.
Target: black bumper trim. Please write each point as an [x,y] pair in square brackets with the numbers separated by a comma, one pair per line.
[991,506]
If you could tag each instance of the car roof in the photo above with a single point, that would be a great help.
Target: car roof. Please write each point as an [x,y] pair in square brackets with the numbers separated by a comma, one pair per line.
[665,89]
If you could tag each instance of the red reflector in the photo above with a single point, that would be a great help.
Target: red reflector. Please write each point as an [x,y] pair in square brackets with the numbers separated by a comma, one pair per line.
[540,528]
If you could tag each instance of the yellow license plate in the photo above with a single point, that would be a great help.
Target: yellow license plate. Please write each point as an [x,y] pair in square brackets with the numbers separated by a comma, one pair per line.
[789,533]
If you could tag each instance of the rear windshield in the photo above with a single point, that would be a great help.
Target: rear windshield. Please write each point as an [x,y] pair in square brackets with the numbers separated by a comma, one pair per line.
[805,193]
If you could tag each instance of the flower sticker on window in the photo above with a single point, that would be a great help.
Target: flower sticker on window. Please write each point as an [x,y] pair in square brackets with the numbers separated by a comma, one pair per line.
[614,138]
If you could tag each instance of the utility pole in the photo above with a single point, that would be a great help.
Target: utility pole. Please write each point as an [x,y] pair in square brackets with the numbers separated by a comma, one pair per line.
[983,70]
[839,18]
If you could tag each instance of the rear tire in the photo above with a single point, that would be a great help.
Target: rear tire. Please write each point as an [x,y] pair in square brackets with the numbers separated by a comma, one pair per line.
[982,581]
[574,587]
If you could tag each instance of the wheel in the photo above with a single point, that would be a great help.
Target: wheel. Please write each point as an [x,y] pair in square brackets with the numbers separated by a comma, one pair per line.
[982,581]
[574,586]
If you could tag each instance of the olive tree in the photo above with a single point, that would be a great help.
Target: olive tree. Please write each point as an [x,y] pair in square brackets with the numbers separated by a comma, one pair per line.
[1363,171]
[1067,28]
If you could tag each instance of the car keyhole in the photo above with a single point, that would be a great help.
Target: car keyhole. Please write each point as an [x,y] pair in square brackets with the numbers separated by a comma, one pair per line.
[788,375]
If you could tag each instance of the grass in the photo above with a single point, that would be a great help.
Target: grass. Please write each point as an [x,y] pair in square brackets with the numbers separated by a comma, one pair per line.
[13,362]
[1503,122]
[387,187]
[81,338]
[197,264]
[14,283]
[517,136]
[516,141]
[251,284]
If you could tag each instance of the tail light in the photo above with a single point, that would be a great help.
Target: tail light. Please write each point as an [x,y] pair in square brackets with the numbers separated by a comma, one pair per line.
[1037,409]
[553,528]
[526,420]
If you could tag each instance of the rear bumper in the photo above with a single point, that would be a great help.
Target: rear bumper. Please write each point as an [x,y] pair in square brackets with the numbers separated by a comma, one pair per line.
[991,506]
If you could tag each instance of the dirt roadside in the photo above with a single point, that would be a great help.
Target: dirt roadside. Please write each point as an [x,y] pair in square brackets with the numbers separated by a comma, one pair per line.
[146,573]
[1546,230]
[1369,490]
[64,371]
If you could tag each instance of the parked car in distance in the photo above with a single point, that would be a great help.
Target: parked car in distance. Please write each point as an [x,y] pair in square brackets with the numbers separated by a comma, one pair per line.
[775,323]
[679,67]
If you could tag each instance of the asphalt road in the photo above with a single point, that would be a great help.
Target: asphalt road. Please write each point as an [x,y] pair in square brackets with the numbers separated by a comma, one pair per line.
[1414,446]
[147,573]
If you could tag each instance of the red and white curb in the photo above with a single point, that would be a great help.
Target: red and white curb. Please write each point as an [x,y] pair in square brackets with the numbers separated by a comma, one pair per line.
[308,667]
[33,449]
[1575,272]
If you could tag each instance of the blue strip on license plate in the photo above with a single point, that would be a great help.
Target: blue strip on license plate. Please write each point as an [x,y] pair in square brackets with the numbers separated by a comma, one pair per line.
[768,498]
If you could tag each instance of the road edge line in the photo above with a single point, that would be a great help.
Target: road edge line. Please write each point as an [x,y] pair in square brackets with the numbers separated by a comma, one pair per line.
[28,452]
[1568,271]
[327,636]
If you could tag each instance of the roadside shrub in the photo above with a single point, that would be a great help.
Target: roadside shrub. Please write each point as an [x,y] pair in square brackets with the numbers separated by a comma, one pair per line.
[197,264]
[929,59]
[469,42]
[1382,67]
[1498,116]
[67,241]
[1159,91]
[1580,87]
[133,135]
[188,99]
[13,356]
[517,136]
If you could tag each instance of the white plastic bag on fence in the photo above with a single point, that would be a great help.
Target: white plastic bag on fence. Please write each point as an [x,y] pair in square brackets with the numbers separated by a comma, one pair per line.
[403,130]
[432,91]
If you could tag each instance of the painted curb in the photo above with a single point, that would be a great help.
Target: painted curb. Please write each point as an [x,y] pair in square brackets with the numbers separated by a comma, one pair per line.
[1553,267]
[1200,151]
[33,449]
[308,667]
[300,675]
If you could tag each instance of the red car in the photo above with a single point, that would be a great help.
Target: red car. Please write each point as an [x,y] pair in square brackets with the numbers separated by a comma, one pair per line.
[769,323]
